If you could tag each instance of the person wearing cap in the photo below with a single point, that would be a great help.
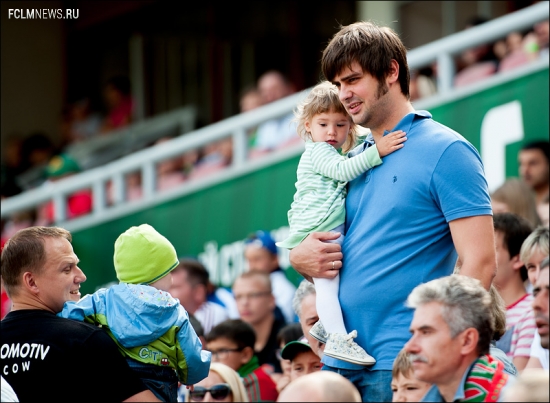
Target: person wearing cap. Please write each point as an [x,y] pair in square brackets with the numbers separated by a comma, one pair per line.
[261,254]
[303,360]
[78,203]
[151,328]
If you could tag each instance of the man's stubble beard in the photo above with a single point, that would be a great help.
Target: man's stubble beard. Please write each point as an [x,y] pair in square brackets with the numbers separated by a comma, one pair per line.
[374,116]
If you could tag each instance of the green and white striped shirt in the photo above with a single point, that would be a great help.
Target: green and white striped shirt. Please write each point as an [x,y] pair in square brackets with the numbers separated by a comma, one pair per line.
[319,202]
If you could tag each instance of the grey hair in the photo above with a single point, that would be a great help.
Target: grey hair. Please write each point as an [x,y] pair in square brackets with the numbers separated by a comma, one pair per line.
[304,289]
[465,304]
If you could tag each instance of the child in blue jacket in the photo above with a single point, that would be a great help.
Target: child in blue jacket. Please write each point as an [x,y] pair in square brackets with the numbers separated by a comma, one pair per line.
[151,328]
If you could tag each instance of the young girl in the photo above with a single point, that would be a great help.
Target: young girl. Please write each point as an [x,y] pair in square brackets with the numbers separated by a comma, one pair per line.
[319,201]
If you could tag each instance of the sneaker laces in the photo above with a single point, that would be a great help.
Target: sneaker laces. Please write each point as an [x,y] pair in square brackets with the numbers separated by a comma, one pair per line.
[354,346]
[352,335]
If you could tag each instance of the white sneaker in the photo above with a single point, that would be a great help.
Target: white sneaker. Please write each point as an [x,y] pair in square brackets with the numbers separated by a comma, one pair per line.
[318,332]
[343,347]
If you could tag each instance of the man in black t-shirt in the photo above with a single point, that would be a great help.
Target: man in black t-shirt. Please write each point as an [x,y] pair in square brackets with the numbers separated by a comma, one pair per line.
[256,304]
[42,355]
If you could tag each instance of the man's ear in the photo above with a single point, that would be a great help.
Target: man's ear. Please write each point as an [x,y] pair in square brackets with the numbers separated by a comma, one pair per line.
[246,355]
[29,282]
[469,338]
[393,75]
[516,262]
[199,293]
[272,303]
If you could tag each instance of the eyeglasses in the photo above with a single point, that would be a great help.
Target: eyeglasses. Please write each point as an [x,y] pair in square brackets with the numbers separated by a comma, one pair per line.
[222,353]
[252,295]
[218,392]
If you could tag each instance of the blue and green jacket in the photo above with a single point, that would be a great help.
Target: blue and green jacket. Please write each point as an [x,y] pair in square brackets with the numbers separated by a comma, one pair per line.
[148,325]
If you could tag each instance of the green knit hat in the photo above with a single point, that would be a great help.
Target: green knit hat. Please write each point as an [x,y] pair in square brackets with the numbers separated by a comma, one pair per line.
[143,256]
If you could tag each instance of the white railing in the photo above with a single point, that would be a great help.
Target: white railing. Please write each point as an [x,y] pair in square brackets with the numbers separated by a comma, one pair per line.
[444,49]
[118,143]
[236,127]
[124,141]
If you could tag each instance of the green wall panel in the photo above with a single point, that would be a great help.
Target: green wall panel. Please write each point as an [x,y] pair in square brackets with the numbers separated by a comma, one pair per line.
[226,212]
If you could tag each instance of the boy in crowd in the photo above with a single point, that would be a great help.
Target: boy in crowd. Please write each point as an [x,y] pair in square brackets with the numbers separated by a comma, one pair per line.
[303,360]
[405,387]
[232,343]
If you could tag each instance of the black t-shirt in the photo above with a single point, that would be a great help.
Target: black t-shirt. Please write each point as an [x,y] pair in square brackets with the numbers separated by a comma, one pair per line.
[268,354]
[44,357]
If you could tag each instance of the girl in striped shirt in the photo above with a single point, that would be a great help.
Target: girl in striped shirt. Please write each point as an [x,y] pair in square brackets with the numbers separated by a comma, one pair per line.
[319,201]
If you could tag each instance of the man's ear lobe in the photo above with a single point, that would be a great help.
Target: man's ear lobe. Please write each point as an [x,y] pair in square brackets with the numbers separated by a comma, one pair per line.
[29,282]
[516,262]
[470,338]
[393,75]
[199,292]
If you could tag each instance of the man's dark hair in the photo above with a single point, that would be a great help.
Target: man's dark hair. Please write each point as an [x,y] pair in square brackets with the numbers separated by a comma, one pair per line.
[196,272]
[236,330]
[515,230]
[371,46]
[542,145]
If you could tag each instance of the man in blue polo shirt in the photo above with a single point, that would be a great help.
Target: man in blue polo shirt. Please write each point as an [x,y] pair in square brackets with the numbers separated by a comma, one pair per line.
[409,220]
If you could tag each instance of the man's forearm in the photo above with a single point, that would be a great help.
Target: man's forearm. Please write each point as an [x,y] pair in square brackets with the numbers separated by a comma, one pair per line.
[483,272]
[474,241]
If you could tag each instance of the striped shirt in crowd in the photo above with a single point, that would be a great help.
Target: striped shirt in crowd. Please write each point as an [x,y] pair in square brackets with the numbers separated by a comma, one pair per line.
[521,326]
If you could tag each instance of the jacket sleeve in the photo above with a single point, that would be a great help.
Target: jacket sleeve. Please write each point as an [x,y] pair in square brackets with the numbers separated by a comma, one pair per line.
[193,362]
[90,309]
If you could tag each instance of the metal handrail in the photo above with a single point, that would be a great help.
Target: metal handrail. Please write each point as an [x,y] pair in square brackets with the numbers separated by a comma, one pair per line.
[236,127]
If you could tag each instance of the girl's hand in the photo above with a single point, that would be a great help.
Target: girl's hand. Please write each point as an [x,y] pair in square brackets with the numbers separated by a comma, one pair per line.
[391,142]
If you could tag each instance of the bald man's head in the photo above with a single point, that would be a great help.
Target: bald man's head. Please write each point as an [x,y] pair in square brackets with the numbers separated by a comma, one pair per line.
[321,386]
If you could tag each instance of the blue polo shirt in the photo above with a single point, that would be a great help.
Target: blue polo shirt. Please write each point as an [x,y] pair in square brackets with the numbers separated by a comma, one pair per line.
[397,231]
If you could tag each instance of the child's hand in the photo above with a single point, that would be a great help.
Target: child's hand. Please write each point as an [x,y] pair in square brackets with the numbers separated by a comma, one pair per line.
[190,387]
[391,142]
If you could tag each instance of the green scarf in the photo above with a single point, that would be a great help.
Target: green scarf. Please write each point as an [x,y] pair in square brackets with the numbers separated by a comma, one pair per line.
[249,367]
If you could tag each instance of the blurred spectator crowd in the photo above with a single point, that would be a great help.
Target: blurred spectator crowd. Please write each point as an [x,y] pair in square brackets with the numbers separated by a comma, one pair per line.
[35,160]
[516,49]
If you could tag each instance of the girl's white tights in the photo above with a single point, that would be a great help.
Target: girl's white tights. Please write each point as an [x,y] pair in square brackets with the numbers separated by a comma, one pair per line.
[326,301]
[328,306]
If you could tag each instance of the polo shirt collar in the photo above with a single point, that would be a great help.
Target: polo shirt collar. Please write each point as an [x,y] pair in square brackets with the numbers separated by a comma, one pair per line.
[404,124]
[407,121]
